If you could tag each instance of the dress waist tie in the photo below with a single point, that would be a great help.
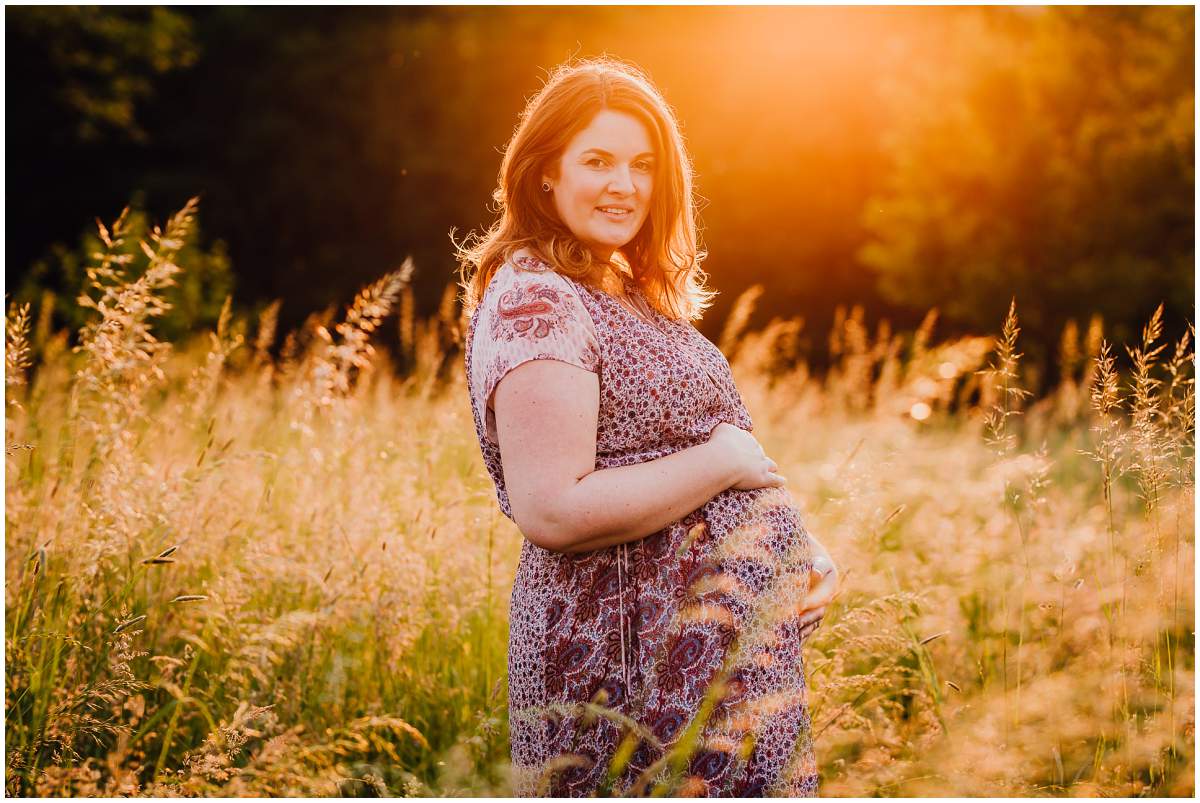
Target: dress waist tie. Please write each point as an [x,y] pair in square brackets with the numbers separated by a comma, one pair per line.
[622,570]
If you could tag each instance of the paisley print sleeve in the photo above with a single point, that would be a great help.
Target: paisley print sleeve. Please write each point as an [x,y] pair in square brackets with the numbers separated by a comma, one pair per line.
[528,315]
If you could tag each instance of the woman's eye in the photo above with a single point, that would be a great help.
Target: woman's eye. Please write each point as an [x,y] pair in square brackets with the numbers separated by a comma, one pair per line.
[645,166]
[594,161]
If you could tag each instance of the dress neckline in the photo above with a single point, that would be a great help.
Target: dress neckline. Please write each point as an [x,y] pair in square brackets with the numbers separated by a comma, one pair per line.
[523,257]
[633,298]
[632,291]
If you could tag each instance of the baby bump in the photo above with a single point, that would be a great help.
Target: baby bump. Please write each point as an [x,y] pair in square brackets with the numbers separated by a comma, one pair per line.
[763,557]
[720,597]
[749,542]
[763,522]
[758,554]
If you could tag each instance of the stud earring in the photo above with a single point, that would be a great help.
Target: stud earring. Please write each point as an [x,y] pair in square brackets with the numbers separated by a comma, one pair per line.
[545,186]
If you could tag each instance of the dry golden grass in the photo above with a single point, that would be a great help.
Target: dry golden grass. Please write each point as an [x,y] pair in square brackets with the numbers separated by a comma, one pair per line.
[232,575]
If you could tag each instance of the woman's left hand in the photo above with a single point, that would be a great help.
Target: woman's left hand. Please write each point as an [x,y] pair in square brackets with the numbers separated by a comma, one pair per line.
[823,586]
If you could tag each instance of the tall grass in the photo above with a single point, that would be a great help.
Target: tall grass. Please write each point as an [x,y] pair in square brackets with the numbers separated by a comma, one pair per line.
[232,574]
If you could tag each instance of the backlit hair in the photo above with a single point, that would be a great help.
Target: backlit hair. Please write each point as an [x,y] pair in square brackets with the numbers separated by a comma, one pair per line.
[664,256]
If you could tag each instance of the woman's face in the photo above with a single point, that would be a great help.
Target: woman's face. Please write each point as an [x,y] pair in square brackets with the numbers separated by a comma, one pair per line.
[605,177]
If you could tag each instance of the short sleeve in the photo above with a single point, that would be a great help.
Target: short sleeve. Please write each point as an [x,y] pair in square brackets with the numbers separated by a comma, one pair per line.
[527,315]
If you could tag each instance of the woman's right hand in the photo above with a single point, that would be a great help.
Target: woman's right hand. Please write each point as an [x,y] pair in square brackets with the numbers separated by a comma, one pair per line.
[741,451]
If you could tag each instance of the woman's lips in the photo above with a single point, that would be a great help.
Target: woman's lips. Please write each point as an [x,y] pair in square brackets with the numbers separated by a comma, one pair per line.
[615,215]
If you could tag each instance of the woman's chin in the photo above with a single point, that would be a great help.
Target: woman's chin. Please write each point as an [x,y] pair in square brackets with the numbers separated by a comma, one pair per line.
[608,244]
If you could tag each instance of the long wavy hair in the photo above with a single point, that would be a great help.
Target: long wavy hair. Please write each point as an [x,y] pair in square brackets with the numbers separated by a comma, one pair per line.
[664,257]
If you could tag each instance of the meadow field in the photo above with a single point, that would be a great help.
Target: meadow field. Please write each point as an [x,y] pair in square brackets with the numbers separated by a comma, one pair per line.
[229,572]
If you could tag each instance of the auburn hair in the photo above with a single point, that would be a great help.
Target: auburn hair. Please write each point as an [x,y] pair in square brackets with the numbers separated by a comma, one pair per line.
[664,257]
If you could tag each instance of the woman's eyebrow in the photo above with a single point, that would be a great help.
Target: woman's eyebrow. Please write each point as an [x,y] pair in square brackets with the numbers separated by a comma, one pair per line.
[603,152]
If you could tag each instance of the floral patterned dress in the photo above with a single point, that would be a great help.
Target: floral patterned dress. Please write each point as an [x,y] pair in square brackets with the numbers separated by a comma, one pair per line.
[644,628]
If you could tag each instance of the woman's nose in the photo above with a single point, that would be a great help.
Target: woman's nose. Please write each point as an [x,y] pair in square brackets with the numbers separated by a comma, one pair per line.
[622,181]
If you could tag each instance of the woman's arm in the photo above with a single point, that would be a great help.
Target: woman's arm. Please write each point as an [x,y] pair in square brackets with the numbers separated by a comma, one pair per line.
[546,417]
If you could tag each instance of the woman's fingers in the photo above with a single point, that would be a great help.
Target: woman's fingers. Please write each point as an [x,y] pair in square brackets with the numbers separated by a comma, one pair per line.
[823,587]
[822,564]
[813,616]
[808,629]
[821,593]
[773,479]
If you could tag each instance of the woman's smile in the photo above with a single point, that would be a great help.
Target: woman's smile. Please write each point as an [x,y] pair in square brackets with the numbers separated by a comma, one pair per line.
[615,212]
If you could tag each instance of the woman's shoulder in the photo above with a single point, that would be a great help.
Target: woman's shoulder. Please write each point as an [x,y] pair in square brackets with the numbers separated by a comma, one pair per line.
[524,271]
[526,267]
[525,261]
[527,290]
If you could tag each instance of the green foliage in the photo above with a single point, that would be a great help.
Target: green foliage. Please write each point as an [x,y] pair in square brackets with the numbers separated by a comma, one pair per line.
[1052,159]
[195,299]
[105,60]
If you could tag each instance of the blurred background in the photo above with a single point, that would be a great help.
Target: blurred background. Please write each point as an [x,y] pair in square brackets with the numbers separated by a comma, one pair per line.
[895,158]
[250,551]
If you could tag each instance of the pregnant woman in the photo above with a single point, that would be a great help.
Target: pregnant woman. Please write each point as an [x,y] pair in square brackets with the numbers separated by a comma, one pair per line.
[665,573]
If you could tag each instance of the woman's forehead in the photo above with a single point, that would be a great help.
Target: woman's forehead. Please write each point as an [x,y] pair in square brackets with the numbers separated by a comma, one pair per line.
[612,132]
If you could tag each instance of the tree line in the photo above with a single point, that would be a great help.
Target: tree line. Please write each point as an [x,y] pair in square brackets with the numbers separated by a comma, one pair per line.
[895,158]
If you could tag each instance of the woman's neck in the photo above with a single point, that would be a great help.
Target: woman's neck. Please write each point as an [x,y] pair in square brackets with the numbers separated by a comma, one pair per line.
[613,279]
